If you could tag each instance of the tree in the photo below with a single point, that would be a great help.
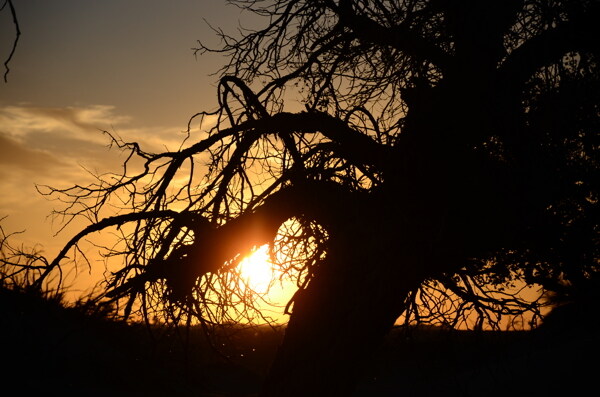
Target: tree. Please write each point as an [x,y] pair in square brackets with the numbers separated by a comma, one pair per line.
[446,154]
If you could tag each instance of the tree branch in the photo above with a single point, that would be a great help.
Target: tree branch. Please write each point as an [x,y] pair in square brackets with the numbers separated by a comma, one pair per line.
[17,36]
[213,247]
[103,224]
[400,36]
[576,35]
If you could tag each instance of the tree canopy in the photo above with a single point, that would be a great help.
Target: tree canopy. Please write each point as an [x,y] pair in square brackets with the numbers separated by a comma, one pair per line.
[425,159]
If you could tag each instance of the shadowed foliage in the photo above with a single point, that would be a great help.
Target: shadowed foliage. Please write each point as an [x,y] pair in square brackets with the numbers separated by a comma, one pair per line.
[445,158]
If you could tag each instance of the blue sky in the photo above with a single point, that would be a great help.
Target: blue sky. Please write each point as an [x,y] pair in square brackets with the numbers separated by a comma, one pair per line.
[83,66]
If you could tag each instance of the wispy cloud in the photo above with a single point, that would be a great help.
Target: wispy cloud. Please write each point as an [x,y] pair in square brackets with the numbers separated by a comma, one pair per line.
[57,146]
[13,154]
[59,120]
[48,138]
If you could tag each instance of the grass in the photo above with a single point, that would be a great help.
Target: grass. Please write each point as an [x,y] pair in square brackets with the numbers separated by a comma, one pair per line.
[47,347]
[559,358]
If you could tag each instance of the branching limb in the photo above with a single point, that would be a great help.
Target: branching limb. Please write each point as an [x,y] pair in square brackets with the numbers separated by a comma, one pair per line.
[13,13]
[578,34]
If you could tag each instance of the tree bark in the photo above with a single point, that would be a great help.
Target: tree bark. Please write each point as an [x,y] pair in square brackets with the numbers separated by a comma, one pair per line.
[350,304]
[332,334]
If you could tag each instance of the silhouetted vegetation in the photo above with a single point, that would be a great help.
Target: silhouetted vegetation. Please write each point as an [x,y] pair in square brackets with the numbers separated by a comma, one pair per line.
[8,4]
[70,351]
[444,159]
[49,345]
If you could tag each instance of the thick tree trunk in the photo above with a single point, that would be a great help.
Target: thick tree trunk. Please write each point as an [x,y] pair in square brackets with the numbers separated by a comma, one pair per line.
[341,317]
[327,343]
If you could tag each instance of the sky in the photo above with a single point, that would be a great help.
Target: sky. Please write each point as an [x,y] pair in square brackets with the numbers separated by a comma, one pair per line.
[82,67]
[125,66]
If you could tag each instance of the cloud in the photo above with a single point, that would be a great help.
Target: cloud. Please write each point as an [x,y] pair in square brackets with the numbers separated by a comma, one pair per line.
[13,154]
[64,121]
[57,146]
[74,136]
[40,142]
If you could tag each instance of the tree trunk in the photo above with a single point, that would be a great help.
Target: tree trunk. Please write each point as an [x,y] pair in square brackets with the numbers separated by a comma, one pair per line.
[339,320]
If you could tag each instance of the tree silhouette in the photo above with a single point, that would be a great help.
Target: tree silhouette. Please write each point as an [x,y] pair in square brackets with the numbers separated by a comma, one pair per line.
[445,156]
[13,13]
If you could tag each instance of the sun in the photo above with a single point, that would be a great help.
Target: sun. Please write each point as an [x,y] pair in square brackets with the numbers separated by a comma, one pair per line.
[272,288]
[256,270]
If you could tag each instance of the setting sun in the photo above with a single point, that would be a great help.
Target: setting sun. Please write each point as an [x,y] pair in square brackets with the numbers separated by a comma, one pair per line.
[275,289]
[257,270]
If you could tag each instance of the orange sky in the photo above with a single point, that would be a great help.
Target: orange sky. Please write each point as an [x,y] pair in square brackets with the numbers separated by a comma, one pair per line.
[82,67]
[85,66]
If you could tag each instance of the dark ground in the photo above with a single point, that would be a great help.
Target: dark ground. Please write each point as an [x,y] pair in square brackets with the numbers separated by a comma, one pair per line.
[46,348]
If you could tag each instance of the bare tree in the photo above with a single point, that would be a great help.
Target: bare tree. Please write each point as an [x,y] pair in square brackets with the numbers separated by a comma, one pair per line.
[446,154]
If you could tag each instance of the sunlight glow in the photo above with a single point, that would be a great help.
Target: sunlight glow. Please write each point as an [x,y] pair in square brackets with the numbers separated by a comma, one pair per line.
[272,289]
[257,271]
